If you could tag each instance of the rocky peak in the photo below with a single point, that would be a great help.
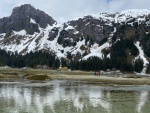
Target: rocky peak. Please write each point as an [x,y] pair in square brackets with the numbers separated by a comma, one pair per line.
[24,11]
[25,17]
[28,11]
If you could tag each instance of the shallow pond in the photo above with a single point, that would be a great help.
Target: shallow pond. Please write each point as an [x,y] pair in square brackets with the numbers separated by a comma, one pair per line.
[72,97]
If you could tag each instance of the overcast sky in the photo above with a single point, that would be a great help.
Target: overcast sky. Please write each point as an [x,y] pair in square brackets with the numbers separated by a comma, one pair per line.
[63,10]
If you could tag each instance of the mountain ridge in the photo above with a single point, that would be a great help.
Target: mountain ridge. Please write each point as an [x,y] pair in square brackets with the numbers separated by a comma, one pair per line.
[92,35]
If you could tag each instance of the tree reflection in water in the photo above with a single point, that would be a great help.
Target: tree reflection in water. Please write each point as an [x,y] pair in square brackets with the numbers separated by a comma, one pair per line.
[59,97]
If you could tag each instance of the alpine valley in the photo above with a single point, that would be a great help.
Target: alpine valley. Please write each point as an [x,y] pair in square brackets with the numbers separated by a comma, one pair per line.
[107,40]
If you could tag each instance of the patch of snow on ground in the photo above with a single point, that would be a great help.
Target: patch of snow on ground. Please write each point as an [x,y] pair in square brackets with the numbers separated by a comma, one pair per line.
[3,34]
[135,12]
[76,32]
[22,32]
[32,21]
[141,55]
[88,23]
[119,17]
[106,16]
[116,18]
[77,47]
[55,46]
[69,27]
[146,32]
[148,23]
[108,56]
[97,51]
[43,43]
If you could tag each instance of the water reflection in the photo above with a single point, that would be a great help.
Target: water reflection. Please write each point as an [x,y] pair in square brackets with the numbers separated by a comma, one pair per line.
[61,97]
[142,101]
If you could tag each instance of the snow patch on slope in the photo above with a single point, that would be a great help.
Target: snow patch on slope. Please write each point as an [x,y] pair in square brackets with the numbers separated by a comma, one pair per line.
[97,51]
[32,21]
[39,41]
[87,23]
[57,47]
[69,27]
[2,34]
[51,45]
[141,55]
[123,16]
[119,17]
[77,49]
[22,32]
[106,16]
[135,12]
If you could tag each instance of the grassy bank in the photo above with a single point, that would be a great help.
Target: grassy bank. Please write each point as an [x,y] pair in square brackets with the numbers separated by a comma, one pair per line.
[34,74]
[103,79]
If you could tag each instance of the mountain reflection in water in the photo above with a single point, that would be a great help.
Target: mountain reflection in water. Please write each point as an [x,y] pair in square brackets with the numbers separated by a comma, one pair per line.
[72,97]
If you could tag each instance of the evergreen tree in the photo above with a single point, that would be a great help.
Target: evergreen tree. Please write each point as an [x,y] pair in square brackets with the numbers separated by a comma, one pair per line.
[138,66]
[29,60]
[148,69]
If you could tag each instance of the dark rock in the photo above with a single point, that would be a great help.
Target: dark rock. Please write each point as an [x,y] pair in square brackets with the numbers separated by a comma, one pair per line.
[53,33]
[21,17]
[88,27]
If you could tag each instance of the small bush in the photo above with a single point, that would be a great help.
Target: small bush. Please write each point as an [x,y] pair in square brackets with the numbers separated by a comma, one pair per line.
[38,77]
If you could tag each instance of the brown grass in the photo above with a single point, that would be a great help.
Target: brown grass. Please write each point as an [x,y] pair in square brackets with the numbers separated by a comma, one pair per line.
[3,76]
[103,79]
[33,74]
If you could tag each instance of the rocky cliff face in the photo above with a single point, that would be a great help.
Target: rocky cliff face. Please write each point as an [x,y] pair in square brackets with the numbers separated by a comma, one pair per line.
[91,29]
[25,17]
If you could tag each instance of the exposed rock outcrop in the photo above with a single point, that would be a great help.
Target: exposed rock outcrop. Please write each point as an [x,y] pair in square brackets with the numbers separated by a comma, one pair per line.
[25,17]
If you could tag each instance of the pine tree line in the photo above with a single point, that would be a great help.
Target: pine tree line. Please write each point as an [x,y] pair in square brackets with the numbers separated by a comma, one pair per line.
[29,60]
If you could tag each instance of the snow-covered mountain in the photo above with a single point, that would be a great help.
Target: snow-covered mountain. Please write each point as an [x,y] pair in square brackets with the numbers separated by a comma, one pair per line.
[28,29]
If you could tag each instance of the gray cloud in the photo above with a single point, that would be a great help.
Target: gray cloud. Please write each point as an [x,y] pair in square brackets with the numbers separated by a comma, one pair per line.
[62,10]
